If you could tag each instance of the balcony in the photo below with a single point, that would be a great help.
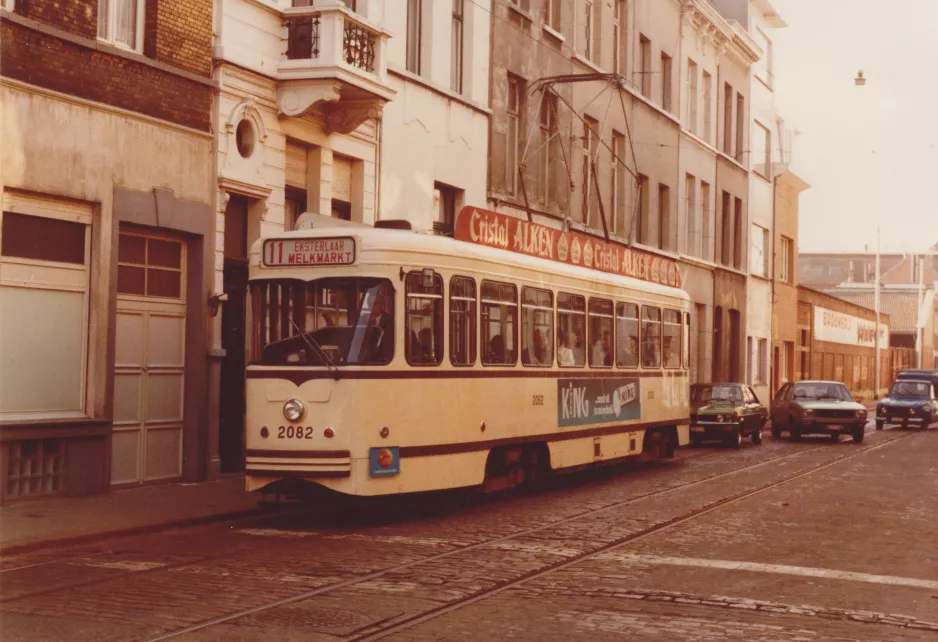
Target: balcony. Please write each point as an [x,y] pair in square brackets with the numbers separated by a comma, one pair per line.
[335,65]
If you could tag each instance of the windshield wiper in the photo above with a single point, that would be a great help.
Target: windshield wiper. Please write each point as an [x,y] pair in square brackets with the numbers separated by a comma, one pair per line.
[318,349]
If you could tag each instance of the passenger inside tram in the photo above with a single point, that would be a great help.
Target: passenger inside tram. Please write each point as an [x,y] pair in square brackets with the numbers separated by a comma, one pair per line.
[496,349]
[565,355]
[537,354]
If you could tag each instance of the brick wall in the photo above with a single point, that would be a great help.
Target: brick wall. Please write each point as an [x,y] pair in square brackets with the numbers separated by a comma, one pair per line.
[47,61]
[179,32]
[79,17]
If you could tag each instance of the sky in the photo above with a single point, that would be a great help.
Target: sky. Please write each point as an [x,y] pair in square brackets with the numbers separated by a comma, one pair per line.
[870,153]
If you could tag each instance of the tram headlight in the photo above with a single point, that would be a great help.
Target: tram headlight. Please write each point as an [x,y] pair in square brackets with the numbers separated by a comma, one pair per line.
[294,410]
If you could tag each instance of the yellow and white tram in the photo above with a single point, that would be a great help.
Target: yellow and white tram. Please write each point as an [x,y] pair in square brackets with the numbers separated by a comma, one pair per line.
[385,361]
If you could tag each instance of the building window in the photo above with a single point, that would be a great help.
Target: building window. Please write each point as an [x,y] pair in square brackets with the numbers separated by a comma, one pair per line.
[537,327]
[666,82]
[45,267]
[763,362]
[642,233]
[293,206]
[727,118]
[149,267]
[725,229]
[445,203]
[462,321]
[619,30]
[708,107]
[414,33]
[690,109]
[120,22]
[786,259]
[762,151]
[553,14]
[547,120]
[664,217]
[763,69]
[585,33]
[738,233]
[520,4]
[706,224]
[693,233]
[590,127]
[456,55]
[749,361]
[672,332]
[758,256]
[423,334]
[618,184]
[513,147]
[740,127]
[644,69]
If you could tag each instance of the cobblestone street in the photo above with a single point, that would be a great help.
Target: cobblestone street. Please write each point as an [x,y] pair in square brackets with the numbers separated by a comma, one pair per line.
[785,541]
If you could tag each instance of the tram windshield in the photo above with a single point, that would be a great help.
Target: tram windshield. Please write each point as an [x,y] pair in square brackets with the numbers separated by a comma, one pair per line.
[325,322]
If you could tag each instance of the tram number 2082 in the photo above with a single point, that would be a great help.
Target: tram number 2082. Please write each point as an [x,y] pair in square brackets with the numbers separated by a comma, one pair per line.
[298,432]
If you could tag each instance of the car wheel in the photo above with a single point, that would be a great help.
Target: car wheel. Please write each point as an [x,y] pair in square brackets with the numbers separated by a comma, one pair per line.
[925,421]
[858,434]
[736,440]
[794,432]
[757,435]
[880,424]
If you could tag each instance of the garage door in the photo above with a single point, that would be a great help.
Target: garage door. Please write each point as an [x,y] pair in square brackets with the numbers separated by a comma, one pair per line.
[149,368]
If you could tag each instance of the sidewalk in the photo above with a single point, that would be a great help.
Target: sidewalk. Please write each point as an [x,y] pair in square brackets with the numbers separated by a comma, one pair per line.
[35,524]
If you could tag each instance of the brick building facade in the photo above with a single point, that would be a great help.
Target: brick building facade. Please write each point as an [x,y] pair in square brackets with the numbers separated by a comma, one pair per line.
[830,349]
[105,244]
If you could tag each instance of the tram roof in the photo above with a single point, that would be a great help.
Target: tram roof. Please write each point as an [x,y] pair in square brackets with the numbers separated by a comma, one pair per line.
[384,239]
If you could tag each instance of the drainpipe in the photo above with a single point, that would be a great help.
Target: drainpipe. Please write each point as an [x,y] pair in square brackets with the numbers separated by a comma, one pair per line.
[774,299]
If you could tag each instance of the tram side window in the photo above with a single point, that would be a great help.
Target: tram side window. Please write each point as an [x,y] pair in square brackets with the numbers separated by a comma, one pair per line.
[571,330]
[601,333]
[687,341]
[651,337]
[627,335]
[499,323]
[537,327]
[462,321]
[672,332]
[423,327]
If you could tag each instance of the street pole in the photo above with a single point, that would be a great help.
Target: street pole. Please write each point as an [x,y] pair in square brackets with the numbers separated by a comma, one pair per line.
[876,309]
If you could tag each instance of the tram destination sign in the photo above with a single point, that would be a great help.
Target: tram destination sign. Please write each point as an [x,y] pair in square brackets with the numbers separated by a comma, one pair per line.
[582,402]
[493,229]
[309,251]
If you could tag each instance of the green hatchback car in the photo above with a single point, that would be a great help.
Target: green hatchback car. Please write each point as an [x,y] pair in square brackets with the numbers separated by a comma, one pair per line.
[726,412]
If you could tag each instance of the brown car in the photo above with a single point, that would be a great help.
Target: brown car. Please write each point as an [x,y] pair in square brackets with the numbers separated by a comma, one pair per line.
[817,408]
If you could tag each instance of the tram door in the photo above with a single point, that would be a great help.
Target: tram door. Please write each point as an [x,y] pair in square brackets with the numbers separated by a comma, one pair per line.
[232,401]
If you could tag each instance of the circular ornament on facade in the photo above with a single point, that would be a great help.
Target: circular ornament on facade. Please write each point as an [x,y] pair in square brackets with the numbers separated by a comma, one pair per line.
[245,138]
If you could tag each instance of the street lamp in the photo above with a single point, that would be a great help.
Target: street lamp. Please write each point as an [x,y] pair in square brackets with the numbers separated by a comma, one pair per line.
[860,81]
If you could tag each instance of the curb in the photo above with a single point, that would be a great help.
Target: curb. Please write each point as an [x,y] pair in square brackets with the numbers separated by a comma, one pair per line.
[31,547]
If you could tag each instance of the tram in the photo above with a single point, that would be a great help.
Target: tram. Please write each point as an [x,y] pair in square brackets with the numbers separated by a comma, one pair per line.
[386,361]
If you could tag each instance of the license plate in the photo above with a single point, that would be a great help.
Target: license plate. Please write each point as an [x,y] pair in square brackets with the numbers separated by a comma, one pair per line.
[696,429]
[835,428]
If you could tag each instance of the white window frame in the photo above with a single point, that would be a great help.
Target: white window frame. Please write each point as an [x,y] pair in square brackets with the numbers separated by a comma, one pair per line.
[585,49]
[458,47]
[708,106]
[763,360]
[784,268]
[414,37]
[763,165]
[619,10]
[513,146]
[618,183]
[110,21]
[690,106]
[589,143]
[706,222]
[55,276]
[553,14]
[690,218]
[667,71]
[759,265]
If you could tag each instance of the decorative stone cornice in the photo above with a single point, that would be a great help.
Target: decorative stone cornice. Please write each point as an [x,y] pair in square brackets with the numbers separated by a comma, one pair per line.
[295,99]
[743,46]
[710,26]
[345,116]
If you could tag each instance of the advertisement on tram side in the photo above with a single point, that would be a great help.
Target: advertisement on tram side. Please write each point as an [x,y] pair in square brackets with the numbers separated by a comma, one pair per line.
[582,402]
[493,229]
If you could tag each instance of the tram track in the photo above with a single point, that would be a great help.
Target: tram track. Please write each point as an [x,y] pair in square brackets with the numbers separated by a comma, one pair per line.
[456,604]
